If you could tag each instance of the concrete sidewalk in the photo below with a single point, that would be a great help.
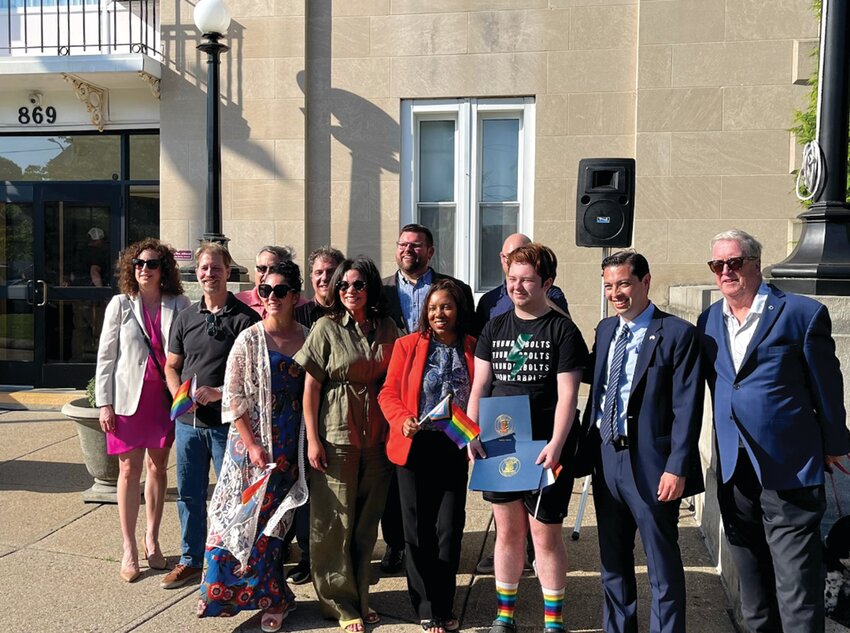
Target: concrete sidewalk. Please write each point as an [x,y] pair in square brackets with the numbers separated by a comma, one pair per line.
[59,559]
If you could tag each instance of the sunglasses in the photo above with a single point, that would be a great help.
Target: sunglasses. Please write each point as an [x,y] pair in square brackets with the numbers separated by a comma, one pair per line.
[734,263]
[213,324]
[152,264]
[358,285]
[279,291]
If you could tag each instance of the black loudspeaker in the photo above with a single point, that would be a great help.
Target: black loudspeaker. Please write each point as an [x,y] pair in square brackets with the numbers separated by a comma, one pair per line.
[605,202]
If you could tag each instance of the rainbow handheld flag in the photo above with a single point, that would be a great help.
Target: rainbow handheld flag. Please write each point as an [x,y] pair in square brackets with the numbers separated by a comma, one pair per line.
[251,490]
[460,429]
[438,417]
[550,475]
[184,399]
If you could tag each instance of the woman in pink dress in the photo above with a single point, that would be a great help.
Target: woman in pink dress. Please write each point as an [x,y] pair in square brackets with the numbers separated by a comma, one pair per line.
[131,393]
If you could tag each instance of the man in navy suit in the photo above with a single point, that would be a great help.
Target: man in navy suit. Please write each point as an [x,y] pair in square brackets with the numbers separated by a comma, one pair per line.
[779,423]
[646,406]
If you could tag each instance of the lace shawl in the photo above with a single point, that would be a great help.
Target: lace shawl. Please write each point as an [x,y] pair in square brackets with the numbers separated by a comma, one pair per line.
[247,388]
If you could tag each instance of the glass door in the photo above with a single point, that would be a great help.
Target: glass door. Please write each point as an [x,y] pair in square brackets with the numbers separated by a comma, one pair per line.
[76,248]
[58,245]
[18,290]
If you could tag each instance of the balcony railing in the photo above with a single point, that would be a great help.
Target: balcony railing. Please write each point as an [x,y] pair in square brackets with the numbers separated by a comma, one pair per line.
[79,27]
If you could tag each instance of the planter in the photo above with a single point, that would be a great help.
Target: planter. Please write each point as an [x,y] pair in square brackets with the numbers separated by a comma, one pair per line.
[103,467]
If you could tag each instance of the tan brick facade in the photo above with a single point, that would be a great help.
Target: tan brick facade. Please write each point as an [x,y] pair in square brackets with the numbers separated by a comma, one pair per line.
[700,92]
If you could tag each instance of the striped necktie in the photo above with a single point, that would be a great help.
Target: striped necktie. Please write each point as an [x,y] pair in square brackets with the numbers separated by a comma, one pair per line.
[608,426]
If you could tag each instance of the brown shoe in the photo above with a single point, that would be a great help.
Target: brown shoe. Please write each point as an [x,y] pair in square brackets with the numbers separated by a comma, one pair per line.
[180,575]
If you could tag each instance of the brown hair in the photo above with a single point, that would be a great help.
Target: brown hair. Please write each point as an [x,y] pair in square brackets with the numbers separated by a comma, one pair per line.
[539,257]
[169,280]
[213,248]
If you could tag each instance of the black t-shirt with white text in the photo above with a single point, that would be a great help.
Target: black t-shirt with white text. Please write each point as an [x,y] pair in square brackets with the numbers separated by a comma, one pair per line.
[526,357]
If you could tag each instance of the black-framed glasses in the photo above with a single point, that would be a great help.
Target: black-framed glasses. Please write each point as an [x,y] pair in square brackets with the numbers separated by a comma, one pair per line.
[279,291]
[152,264]
[213,324]
[734,263]
[358,285]
[262,268]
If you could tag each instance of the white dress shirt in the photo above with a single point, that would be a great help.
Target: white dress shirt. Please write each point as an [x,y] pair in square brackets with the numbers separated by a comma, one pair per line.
[740,334]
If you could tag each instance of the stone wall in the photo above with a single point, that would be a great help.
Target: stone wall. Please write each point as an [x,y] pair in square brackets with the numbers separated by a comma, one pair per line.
[700,92]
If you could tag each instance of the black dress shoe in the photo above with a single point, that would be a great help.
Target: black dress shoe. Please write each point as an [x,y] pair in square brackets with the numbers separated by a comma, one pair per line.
[393,560]
[300,574]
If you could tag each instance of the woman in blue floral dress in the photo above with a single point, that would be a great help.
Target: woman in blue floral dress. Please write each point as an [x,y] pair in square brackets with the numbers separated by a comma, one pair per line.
[262,477]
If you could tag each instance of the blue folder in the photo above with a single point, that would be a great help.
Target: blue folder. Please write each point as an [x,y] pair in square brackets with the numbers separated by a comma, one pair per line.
[501,416]
[510,466]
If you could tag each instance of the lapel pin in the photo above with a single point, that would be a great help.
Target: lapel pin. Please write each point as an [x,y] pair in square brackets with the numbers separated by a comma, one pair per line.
[652,337]
[770,307]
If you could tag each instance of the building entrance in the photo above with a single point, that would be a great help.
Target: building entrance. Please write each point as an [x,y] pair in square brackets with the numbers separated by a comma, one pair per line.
[60,242]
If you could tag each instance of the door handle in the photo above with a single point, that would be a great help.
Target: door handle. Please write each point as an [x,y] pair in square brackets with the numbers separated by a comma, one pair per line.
[44,293]
[29,296]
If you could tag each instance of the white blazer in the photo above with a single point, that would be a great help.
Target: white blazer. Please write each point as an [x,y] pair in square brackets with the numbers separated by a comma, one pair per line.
[122,353]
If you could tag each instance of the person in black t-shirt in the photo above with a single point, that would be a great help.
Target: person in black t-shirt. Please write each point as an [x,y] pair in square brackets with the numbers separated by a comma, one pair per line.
[531,350]
[200,340]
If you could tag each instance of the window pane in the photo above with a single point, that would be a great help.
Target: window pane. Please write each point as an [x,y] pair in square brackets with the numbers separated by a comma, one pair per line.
[16,275]
[441,221]
[495,223]
[76,254]
[144,157]
[60,157]
[143,215]
[436,161]
[499,159]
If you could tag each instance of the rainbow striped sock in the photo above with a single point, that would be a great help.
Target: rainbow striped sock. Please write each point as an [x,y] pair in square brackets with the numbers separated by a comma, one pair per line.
[506,601]
[553,609]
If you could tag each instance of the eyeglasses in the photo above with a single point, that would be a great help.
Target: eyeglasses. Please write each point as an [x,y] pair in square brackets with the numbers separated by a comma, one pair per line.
[280,291]
[152,264]
[412,245]
[213,324]
[734,263]
[358,285]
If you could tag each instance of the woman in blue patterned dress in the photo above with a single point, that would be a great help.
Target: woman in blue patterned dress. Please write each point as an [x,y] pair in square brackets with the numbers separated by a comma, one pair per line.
[262,477]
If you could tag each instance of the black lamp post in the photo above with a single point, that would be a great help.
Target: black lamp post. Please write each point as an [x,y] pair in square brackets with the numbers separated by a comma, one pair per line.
[213,19]
[820,264]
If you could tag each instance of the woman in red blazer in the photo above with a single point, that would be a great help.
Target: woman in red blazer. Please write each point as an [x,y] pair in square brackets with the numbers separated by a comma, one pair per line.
[432,471]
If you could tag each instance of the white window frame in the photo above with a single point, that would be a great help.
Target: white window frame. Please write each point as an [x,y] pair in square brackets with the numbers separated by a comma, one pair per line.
[467,114]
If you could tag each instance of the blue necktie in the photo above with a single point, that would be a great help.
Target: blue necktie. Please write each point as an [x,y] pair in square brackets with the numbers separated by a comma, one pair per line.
[608,426]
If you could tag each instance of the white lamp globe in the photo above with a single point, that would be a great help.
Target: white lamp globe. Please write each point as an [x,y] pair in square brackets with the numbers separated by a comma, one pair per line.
[212,16]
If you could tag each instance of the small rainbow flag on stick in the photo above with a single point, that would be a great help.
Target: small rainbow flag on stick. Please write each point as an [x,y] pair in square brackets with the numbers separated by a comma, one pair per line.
[461,430]
[251,490]
[184,399]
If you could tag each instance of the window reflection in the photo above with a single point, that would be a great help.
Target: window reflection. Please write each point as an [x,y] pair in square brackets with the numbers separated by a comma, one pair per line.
[60,158]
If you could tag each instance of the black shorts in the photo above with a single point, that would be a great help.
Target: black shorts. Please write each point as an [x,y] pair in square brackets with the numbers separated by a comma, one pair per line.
[554,504]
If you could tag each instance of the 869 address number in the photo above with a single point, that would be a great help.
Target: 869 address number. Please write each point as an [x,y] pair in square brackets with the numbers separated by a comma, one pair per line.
[37,115]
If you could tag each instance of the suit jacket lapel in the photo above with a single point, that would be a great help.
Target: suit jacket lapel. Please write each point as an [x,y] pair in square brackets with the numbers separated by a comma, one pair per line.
[650,339]
[604,335]
[772,308]
[136,305]
[716,329]
[166,313]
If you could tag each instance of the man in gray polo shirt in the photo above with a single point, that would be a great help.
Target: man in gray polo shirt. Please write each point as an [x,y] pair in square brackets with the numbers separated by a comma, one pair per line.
[199,343]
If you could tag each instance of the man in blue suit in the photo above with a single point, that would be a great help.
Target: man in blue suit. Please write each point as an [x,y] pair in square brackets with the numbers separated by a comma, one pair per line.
[779,423]
[646,409]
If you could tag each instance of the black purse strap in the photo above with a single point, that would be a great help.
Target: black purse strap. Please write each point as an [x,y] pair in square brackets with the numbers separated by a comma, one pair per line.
[151,353]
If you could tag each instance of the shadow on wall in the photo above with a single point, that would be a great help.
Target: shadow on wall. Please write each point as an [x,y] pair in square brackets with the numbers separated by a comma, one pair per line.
[369,133]
[184,112]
